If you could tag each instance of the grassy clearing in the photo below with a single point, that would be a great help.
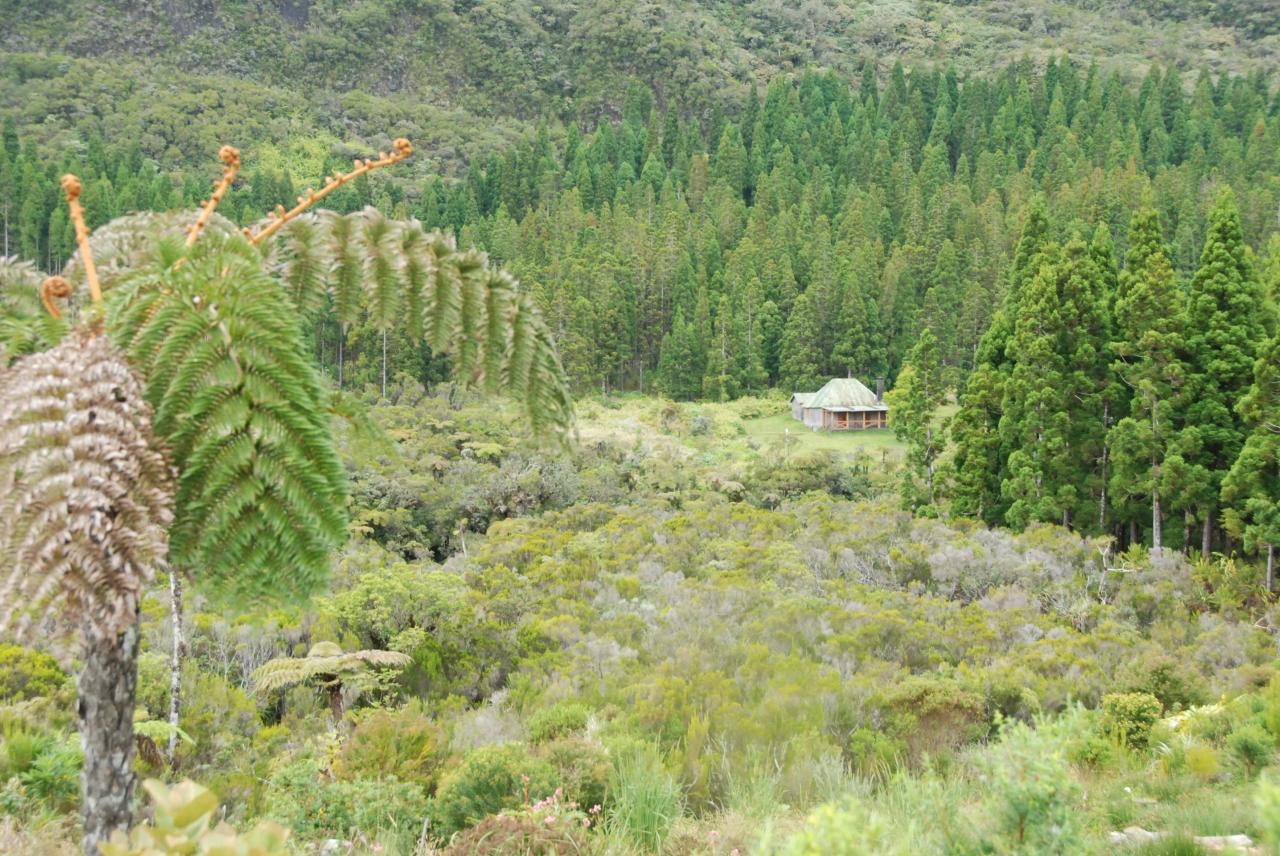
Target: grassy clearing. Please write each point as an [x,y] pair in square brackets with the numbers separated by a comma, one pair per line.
[781,429]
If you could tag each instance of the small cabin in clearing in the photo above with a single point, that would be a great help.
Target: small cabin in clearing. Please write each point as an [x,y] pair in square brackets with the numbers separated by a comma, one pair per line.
[843,404]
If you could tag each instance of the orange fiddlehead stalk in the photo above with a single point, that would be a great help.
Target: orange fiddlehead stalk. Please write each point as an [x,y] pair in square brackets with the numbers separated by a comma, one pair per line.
[71,187]
[230,157]
[54,287]
[403,148]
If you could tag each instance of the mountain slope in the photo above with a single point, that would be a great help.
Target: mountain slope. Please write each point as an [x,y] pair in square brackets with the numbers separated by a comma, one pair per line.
[193,73]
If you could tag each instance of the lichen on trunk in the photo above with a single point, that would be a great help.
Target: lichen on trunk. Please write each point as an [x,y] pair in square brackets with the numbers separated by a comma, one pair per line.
[107,690]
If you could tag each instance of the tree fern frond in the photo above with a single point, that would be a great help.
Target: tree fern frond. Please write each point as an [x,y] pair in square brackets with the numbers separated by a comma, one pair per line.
[417,268]
[445,294]
[325,661]
[383,266]
[85,495]
[261,495]
[419,281]
[301,258]
[347,283]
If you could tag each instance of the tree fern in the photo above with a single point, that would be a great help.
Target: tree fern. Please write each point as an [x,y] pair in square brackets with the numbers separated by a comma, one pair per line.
[85,493]
[328,668]
[261,494]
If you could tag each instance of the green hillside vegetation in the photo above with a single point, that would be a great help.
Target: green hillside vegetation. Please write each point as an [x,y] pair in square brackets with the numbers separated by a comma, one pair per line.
[465,514]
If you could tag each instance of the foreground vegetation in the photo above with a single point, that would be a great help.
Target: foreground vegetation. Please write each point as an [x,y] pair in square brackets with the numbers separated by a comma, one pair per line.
[745,650]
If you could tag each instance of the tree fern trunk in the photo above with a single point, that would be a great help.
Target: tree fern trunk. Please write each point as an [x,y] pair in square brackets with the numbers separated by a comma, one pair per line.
[107,689]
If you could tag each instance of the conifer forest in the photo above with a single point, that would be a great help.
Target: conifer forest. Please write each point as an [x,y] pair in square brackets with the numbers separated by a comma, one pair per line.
[654,428]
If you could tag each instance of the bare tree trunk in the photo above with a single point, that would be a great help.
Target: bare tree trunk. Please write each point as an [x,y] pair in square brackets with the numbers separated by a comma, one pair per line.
[1271,564]
[1206,534]
[107,689]
[1186,532]
[1106,452]
[928,440]
[175,664]
[1155,521]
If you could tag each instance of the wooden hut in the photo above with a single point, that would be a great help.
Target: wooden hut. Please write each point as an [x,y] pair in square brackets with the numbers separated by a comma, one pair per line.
[844,404]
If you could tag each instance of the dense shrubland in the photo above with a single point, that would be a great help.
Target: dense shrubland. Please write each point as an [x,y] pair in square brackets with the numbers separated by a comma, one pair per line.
[624,664]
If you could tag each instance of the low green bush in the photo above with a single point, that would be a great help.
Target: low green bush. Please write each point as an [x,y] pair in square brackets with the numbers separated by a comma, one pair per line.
[582,767]
[489,780]
[560,720]
[1129,717]
[847,828]
[1031,803]
[404,743]
[302,798]
[26,674]
[1252,746]
[1174,682]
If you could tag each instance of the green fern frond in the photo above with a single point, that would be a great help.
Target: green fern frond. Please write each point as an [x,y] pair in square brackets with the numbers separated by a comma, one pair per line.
[129,243]
[384,286]
[261,493]
[416,270]
[325,662]
[347,279]
[402,276]
[302,261]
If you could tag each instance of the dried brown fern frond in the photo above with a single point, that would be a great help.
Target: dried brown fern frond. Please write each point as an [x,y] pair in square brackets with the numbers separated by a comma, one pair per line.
[85,497]
[133,241]
[403,149]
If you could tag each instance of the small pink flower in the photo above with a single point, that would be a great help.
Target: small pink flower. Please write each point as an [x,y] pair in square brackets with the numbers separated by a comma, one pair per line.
[550,819]
[595,809]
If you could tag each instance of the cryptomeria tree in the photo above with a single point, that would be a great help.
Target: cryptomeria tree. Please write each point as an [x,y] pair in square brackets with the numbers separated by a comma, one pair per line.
[1251,489]
[981,454]
[1053,397]
[1224,324]
[177,417]
[1148,334]
[920,390]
